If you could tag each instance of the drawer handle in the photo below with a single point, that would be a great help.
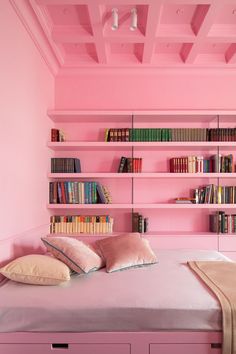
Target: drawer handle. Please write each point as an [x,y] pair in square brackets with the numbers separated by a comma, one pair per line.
[60,346]
[216,345]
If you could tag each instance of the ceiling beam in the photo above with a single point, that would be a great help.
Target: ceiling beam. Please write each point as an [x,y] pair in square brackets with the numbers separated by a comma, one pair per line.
[230,55]
[153,21]
[97,28]
[202,22]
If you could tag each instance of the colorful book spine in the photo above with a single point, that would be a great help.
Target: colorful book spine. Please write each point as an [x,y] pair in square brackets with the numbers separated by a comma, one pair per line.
[130,165]
[213,194]
[81,224]
[139,223]
[69,192]
[196,164]
[65,165]
[222,223]
[170,134]
[57,135]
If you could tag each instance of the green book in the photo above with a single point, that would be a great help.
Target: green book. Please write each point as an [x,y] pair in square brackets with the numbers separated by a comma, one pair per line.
[134,134]
[163,137]
[130,134]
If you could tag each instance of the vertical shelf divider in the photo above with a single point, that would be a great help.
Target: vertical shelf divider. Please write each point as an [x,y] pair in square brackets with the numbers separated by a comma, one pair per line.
[132,179]
[218,179]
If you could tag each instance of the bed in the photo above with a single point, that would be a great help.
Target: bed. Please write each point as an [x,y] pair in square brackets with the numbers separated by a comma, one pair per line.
[160,309]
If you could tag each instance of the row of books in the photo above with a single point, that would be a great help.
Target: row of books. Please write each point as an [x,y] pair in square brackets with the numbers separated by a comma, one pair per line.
[78,193]
[57,135]
[195,164]
[76,224]
[223,223]
[139,223]
[130,164]
[170,134]
[213,194]
[65,165]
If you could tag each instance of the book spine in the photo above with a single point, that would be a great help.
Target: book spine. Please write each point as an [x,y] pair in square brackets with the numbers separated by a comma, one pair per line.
[122,164]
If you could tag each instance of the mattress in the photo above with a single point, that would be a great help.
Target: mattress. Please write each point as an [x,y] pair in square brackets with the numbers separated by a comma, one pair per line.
[165,296]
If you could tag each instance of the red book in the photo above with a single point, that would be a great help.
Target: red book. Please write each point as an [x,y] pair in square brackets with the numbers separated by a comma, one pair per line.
[54,135]
[140,164]
[135,165]
[63,192]
[172,165]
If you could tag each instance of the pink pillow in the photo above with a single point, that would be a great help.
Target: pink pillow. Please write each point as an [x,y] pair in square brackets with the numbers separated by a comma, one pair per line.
[77,255]
[126,251]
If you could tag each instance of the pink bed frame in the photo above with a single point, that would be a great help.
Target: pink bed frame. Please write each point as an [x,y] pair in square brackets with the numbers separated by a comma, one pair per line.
[112,343]
[100,342]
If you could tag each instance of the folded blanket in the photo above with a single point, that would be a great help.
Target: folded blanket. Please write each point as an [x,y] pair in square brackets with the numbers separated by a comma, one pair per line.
[220,277]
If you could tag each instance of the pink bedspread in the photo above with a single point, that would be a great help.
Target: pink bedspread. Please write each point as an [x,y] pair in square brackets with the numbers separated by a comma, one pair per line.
[165,296]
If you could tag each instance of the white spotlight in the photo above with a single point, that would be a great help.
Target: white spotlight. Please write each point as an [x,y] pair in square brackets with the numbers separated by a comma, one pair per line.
[115,19]
[134,19]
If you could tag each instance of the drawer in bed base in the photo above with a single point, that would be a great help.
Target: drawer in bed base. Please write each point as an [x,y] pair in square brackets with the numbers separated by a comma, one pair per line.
[185,348]
[65,348]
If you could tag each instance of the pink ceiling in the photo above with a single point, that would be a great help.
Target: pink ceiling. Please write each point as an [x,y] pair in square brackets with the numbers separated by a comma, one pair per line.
[169,33]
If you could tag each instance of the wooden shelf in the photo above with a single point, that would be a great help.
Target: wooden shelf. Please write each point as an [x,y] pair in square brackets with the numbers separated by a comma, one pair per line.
[187,234]
[142,206]
[152,234]
[68,116]
[139,175]
[146,145]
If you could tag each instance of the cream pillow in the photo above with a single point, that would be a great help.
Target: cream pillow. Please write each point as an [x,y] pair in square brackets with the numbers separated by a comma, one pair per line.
[76,254]
[126,251]
[36,269]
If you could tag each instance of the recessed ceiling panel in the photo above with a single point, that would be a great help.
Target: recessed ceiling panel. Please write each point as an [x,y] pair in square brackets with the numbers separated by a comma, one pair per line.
[70,15]
[80,52]
[177,13]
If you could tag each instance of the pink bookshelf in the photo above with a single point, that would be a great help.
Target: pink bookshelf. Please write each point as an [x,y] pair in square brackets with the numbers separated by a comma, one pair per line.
[147,234]
[139,175]
[142,206]
[93,145]
[149,115]
[152,191]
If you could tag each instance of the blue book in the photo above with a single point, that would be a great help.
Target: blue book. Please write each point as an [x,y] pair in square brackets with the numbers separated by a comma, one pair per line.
[101,195]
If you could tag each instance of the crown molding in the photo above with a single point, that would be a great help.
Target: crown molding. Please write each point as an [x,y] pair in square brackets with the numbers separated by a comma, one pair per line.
[28,18]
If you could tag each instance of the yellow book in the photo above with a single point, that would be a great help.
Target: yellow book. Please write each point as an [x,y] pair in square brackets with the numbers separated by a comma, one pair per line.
[219,195]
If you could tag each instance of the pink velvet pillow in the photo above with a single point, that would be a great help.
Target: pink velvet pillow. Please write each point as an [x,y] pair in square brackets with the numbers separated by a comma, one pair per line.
[77,255]
[126,251]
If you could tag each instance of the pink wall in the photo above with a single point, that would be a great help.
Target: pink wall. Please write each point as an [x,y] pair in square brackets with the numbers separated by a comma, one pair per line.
[26,91]
[147,89]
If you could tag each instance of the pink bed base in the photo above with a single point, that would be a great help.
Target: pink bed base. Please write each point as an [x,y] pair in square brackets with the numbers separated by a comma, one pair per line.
[99,342]
[112,343]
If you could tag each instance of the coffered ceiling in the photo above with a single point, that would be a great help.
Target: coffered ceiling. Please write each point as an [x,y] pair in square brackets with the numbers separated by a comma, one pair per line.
[169,33]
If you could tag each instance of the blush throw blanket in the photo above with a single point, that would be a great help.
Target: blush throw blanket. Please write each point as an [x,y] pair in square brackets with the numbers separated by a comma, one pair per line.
[220,277]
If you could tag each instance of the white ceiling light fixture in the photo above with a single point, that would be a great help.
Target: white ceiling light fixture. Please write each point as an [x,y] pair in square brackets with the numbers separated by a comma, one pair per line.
[134,19]
[115,19]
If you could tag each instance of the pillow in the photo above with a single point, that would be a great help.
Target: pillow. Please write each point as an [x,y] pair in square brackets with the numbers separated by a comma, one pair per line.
[36,269]
[77,255]
[126,251]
